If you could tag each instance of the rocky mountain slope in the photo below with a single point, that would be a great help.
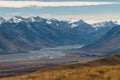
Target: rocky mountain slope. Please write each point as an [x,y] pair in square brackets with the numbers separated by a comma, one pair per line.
[22,34]
[104,46]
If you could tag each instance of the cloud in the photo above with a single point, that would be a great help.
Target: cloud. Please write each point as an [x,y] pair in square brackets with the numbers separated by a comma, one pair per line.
[15,13]
[20,4]
[88,18]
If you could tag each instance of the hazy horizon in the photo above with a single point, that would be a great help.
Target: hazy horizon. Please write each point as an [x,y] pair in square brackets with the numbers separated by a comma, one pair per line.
[88,10]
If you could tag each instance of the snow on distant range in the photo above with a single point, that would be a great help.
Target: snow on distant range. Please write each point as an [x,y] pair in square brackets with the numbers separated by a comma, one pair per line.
[91,22]
[71,21]
[2,20]
[95,21]
[104,23]
[118,22]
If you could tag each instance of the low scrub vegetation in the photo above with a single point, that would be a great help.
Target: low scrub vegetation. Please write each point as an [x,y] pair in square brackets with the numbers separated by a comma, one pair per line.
[81,73]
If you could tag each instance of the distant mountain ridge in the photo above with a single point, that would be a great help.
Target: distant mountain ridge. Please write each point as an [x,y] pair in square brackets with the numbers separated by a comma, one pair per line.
[112,37]
[106,45]
[22,34]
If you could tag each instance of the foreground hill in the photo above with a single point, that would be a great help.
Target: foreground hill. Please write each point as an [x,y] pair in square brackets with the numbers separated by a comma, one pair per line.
[102,69]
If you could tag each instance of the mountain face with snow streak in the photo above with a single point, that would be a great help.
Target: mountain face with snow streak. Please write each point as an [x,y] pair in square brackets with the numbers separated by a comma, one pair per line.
[2,20]
[22,34]
[107,44]
[103,27]
[82,30]
[104,24]
[16,19]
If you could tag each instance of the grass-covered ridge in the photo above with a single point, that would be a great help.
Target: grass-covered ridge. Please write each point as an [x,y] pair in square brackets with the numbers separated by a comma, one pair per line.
[103,69]
[84,73]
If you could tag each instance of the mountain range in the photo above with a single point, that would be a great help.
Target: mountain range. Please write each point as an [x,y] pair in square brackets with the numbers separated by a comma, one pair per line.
[106,45]
[23,34]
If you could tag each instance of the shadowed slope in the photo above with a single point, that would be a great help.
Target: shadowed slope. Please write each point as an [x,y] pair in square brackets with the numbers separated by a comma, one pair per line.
[105,46]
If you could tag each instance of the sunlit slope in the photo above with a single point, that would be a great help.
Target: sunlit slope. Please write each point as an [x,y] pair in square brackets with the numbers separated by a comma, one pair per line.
[103,69]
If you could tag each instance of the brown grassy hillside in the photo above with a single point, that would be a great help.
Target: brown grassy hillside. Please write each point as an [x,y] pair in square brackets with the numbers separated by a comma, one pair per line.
[103,69]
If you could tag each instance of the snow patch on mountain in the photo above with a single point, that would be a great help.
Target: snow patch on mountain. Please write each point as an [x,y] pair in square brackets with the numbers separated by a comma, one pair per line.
[15,19]
[72,22]
[78,23]
[118,22]
[49,22]
[31,19]
[74,25]
[104,24]
[2,20]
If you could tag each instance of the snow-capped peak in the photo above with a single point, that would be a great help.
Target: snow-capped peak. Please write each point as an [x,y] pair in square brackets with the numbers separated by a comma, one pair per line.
[105,24]
[117,22]
[49,22]
[77,23]
[38,18]
[81,21]
[74,25]
[72,20]
[53,21]
[32,19]
[16,19]
[2,20]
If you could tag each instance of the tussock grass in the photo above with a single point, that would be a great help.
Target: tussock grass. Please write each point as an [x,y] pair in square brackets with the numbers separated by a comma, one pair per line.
[102,69]
[82,73]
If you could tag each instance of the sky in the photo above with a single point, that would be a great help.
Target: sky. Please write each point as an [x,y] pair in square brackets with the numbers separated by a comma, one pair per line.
[89,10]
